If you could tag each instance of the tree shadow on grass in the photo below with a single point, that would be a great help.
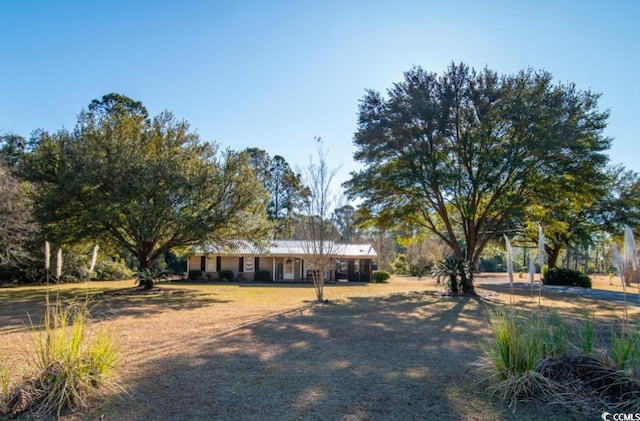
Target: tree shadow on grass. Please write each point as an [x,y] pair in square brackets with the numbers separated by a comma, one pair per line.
[401,357]
[17,307]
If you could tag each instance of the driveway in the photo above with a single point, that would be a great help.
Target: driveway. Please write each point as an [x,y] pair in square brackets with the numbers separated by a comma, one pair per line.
[632,297]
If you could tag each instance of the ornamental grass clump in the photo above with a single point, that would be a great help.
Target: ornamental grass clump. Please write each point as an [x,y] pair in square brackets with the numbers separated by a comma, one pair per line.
[519,344]
[625,349]
[543,357]
[70,365]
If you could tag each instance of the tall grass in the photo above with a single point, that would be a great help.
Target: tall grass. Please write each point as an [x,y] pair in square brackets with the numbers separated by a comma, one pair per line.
[588,337]
[538,355]
[625,349]
[70,364]
[520,342]
[4,381]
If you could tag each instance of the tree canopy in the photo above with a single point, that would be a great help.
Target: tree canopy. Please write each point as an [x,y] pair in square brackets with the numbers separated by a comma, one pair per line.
[285,190]
[463,154]
[573,208]
[12,147]
[146,184]
[344,219]
[16,225]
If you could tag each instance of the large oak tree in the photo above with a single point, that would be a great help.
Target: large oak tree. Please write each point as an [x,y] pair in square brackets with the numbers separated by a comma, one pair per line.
[463,154]
[146,184]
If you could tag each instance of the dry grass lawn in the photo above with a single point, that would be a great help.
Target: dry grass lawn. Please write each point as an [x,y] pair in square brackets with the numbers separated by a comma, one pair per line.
[394,351]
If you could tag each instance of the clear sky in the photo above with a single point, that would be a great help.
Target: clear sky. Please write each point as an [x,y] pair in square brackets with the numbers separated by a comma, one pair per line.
[275,74]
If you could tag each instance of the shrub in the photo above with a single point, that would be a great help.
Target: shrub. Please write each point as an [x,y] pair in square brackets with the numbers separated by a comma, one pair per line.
[109,269]
[568,277]
[401,265]
[194,275]
[225,275]
[262,276]
[380,276]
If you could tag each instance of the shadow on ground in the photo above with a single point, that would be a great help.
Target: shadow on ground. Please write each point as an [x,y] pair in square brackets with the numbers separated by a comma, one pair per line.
[18,306]
[401,357]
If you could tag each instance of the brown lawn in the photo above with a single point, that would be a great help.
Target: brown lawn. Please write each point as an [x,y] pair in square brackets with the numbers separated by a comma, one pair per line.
[394,351]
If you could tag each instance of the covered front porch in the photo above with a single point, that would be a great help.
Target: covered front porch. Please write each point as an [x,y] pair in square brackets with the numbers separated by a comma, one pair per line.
[286,261]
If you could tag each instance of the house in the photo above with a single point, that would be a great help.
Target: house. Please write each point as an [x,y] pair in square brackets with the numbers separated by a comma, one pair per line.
[285,260]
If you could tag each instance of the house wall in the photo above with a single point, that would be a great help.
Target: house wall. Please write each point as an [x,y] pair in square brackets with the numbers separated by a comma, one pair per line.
[193,263]
[209,265]
[358,270]
[266,263]
[229,263]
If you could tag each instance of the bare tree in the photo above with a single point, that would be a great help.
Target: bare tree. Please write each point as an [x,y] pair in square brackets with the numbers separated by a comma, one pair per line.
[16,224]
[316,229]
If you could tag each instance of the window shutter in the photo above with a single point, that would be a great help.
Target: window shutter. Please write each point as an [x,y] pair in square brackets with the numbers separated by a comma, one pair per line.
[241,265]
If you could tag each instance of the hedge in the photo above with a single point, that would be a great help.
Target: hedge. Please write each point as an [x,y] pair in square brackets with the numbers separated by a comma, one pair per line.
[567,277]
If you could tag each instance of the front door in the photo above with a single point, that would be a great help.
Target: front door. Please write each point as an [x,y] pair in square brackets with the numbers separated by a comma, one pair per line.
[289,269]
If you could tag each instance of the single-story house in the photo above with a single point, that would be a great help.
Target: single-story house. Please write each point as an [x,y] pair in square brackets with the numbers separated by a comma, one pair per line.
[285,260]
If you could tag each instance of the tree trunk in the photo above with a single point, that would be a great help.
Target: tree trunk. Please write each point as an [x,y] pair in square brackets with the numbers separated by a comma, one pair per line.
[467,284]
[459,265]
[453,280]
[552,257]
[144,264]
[318,283]
[627,277]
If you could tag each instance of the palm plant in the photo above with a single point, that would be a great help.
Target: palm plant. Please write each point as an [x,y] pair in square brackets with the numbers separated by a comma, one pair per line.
[147,278]
[452,269]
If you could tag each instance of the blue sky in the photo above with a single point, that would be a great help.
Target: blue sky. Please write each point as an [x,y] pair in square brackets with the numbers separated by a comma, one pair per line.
[275,74]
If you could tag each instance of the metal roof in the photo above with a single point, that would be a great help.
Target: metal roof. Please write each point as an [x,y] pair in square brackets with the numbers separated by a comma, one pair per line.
[290,248]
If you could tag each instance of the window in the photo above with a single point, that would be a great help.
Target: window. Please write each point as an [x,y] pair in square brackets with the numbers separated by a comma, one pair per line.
[210,264]
[248,264]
